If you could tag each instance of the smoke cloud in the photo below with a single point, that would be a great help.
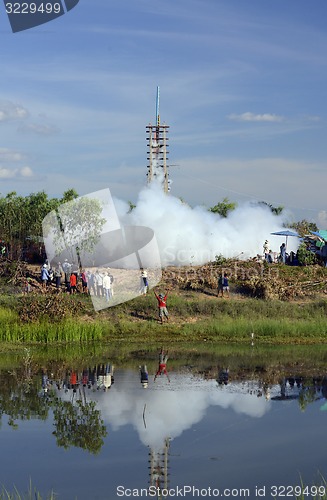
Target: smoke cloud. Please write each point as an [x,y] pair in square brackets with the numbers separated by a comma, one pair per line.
[187,235]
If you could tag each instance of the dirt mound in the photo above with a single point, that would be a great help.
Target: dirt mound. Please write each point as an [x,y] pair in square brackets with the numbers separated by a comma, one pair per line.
[251,278]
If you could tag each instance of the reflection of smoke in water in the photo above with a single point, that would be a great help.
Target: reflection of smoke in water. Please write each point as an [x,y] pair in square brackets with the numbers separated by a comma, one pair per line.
[194,235]
[172,410]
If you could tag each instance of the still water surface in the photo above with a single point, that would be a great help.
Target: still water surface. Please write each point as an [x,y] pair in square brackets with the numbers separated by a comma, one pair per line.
[208,429]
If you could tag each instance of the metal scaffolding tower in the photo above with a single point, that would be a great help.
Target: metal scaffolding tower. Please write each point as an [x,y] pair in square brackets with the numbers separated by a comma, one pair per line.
[157,151]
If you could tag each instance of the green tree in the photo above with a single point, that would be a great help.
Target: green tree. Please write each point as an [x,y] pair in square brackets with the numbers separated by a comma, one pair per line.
[223,207]
[13,224]
[69,195]
[274,210]
[37,206]
[21,218]
[75,225]
[305,256]
[303,227]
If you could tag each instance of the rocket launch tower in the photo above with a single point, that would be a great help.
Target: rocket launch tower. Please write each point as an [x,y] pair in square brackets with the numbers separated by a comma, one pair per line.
[157,151]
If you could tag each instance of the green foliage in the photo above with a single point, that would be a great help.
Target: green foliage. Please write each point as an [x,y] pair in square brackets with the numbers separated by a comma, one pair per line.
[274,210]
[69,195]
[223,207]
[131,206]
[220,260]
[78,425]
[305,256]
[76,224]
[53,307]
[303,227]
[21,218]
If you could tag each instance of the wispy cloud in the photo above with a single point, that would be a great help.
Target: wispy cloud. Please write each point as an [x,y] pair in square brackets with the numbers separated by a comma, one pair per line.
[252,117]
[11,111]
[38,129]
[7,155]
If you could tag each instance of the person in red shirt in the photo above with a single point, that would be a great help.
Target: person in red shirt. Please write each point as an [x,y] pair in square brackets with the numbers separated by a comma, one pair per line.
[73,282]
[162,305]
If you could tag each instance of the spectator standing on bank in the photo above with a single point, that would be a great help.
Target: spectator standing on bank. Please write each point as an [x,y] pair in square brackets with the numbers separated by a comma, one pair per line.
[220,285]
[266,250]
[283,253]
[225,285]
[162,306]
[144,281]
[73,283]
[58,274]
[44,276]
[106,283]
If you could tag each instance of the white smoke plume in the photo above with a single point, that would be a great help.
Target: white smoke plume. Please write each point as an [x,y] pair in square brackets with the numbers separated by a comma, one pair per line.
[194,236]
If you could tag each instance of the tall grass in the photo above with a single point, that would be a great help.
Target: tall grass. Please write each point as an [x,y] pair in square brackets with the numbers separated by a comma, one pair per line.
[32,494]
[192,318]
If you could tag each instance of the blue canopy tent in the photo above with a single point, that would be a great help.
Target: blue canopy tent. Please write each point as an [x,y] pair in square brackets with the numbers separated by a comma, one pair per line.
[286,233]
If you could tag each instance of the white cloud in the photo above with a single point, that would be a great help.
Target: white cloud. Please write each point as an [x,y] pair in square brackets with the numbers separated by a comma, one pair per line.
[6,173]
[11,111]
[26,172]
[15,173]
[251,117]
[10,156]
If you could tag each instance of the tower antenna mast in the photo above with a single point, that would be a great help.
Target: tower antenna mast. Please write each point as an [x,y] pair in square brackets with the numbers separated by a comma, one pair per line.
[157,150]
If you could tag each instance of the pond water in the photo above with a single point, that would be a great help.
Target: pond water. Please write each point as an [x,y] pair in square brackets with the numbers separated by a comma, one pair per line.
[91,430]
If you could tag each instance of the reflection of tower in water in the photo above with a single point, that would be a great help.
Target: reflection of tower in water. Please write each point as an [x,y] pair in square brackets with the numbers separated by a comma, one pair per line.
[157,153]
[159,464]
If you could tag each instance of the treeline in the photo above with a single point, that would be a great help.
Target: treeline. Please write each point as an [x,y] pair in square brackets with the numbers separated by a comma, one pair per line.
[21,222]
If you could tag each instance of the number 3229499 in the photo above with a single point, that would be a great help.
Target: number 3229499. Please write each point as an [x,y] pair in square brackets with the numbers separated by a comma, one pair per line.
[33,8]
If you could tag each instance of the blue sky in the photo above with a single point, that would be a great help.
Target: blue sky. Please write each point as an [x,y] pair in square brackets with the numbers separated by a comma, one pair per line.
[242,85]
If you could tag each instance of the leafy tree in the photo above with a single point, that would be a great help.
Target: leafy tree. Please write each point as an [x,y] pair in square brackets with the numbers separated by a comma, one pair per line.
[37,206]
[13,222]
[303,227]
[75,225]
[305,256]
[69,195]
[21,218]
[224,207]
[274,210]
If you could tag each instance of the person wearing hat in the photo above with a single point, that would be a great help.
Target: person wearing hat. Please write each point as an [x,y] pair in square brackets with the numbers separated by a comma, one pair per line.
[162,305]
[44,276]
[266,250]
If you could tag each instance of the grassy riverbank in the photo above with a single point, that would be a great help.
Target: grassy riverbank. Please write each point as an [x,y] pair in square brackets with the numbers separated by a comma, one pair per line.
[194,316]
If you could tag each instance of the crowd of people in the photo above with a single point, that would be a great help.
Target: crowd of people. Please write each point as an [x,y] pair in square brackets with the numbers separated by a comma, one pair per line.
[282,257]
[98,282]
[69,277]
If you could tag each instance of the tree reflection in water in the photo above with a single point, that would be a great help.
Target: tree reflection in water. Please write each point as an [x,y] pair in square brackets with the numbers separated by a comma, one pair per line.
[22,397]
[78,424]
